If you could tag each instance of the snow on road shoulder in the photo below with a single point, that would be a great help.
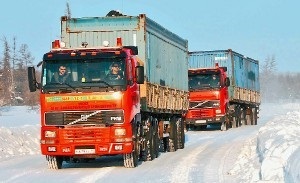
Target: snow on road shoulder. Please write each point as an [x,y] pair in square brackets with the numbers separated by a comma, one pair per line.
[19,132]
[16,141]
[278,148]
[274,155]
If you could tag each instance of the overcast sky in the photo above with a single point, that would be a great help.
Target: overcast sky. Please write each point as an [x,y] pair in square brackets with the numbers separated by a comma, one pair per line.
[256,28]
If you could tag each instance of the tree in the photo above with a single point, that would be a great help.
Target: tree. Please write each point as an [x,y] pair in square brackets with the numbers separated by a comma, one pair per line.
[6,75]
[268,73]
[24,60]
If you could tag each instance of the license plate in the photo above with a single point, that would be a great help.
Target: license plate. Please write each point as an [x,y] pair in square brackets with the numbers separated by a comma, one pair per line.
[200,121]
[85,151]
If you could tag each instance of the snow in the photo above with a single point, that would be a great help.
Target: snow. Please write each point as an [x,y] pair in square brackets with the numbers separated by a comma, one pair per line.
[272,154]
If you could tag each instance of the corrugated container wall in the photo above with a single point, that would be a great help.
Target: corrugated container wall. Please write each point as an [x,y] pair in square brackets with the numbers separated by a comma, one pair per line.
[242,71]
[165,55]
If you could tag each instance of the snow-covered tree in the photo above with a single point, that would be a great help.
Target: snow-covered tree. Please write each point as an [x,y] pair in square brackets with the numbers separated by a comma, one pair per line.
[6,75]
[267,79]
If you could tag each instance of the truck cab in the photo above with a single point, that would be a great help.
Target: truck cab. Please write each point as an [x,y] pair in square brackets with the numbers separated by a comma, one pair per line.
[208,97]
[90,113]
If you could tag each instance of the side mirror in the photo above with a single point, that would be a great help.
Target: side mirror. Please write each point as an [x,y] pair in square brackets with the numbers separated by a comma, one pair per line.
[227,81]
[134,49]
[139,72]
[33,85]
[224,69]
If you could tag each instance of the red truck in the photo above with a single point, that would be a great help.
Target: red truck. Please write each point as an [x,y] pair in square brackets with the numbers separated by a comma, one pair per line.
[223,89]
[108,102]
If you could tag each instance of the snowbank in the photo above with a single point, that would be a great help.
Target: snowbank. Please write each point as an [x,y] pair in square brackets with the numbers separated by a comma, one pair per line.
[19,131]
[278,147]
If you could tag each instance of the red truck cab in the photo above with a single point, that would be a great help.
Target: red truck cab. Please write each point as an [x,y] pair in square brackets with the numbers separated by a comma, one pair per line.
[208,97]
[89,115]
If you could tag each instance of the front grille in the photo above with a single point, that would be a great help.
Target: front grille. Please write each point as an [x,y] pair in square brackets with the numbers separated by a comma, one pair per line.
[203,113]
[204,104]
[85,117]
[84,135]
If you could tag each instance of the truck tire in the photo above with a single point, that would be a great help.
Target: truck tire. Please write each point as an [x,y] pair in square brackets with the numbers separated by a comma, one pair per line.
[173,143]
[180,133]
[243,117]
[254,116]
[238,117]
[248,119]
[226,123]
[131,159]
[224,126]
[234,122]
[54,162]
[148,151]
[155,139]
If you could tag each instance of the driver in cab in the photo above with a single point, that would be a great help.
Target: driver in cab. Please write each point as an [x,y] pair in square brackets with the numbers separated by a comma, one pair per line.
[115,72]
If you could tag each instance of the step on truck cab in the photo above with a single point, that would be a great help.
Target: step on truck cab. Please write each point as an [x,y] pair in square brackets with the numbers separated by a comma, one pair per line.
[112,99]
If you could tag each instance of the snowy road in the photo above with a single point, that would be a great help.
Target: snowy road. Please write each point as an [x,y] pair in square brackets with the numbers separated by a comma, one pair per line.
[207,157]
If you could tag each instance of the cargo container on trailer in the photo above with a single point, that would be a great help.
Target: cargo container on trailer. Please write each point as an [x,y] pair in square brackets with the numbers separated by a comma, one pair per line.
[224,89]
[136,113]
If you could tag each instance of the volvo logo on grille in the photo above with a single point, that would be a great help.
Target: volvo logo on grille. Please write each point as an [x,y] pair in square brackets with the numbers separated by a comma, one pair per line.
[83,117]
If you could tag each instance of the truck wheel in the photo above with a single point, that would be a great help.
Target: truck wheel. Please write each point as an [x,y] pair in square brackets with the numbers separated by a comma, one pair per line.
[238,117]
[224,126]
[180,133]
[243,117]
[254,116]
[155,139]
[54,162]
[131,159]
[234,122]
[148,152]
[248,119]
[173,143]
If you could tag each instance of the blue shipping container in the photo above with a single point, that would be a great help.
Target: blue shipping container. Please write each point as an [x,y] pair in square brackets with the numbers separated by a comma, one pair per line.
[165,55]
[242,71]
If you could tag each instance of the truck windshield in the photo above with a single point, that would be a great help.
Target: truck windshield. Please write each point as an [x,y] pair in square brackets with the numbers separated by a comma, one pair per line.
[77,75]
[204,81]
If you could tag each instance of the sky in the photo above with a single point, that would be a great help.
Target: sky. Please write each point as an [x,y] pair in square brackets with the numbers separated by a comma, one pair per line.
[271,155]
[257,29]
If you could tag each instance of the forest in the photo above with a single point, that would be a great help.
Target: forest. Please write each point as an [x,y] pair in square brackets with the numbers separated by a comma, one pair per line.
[15,58]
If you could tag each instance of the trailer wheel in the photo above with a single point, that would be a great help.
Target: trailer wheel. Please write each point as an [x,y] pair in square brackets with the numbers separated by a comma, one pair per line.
[148,151]
[238,117]
[54,162]
[254,116]
[234,122]
[248,119]
[243,120]
[173,143]
[155,139]
[180,133]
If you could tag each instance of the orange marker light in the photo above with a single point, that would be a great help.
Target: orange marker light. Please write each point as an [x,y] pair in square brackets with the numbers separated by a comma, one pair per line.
[119,41]
[55,44]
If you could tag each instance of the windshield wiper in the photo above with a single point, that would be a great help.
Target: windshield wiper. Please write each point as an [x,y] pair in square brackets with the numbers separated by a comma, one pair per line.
[64,84]
[100,81]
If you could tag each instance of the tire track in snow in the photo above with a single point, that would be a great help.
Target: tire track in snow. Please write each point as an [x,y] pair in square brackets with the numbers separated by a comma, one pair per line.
[182,170]
[96,175]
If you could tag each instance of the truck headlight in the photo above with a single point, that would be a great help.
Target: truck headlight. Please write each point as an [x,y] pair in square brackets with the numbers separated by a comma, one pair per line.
[120,131]
[50,134]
